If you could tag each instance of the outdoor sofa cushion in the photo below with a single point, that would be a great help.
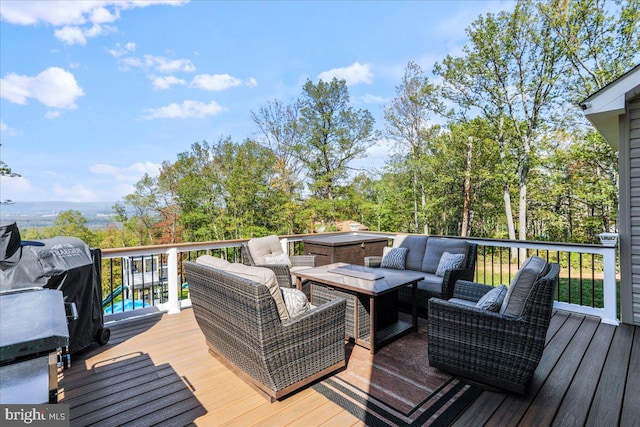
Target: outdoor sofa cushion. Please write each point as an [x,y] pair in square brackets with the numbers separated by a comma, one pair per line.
[522,284]
[436,246]
[213,261]
[260,275]
[261,247]
[415,245]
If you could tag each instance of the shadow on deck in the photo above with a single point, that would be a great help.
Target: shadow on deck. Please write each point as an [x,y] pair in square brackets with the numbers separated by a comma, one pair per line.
[156,370]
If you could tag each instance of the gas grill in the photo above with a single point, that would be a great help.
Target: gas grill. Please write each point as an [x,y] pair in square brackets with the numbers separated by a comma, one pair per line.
[33,335]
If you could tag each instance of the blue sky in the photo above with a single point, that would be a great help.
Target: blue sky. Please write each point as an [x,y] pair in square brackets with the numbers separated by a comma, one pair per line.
[95,94]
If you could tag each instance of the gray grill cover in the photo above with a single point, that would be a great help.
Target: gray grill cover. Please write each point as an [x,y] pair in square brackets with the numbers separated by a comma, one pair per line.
[63,263]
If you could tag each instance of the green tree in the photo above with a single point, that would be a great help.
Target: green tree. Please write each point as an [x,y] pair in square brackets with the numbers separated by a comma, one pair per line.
[72,223]
[408,124]
[509,73]
[600,38]
[278,124]
[5,170]
[332,135]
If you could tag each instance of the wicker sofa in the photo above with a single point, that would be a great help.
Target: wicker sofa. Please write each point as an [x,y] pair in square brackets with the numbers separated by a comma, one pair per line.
[497,348]
[424,254]
[244,330]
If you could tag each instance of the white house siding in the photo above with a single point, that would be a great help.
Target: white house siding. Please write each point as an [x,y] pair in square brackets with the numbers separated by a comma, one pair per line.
[634,176]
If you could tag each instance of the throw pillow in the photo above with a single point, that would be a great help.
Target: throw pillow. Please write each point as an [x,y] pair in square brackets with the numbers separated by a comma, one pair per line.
[295,300]
[492,300]
[449,261]
[394,258]
[277,259]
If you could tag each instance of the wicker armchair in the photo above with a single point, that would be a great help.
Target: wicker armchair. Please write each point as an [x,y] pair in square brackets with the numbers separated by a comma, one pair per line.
[496,349]
[242,328]
[283,272]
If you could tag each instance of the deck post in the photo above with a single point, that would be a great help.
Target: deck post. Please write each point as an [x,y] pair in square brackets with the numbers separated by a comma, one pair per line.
[609,286]
[172,270]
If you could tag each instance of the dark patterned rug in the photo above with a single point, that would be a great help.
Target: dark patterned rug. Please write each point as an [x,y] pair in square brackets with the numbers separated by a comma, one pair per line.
[396,386]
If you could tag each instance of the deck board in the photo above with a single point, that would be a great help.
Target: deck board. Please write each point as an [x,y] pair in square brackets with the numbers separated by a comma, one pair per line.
[156,370]
[544,406]
[572,411]
[607,402]
[630,413]
[514,407]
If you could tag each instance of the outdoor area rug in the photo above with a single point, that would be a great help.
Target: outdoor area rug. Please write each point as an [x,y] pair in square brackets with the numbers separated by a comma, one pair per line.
[396,386]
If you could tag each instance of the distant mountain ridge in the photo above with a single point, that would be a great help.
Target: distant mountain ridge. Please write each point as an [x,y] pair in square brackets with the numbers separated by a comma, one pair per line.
[43,214]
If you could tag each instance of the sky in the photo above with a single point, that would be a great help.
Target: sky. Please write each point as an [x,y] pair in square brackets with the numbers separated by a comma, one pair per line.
[94,94]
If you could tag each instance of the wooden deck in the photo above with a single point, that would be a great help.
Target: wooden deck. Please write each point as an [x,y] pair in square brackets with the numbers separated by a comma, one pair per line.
[156,370]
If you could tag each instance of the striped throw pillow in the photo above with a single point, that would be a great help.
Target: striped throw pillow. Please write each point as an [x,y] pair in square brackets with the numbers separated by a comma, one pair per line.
[449,261]
[394,258]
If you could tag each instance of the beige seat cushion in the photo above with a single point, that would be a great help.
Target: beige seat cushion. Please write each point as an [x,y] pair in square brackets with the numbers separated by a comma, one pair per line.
[263,247]
[213,261]
[265,277]
[260,275]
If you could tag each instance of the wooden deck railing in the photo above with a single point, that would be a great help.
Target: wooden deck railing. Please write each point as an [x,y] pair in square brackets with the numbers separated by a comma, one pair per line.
[588,282]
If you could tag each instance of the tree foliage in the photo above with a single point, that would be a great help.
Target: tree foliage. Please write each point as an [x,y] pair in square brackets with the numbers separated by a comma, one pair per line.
[512,155]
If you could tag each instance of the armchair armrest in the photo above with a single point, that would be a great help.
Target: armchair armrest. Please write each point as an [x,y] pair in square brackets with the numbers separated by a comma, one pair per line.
[470,291]
[318,331]
[451,277]
[283,274]
[372,261]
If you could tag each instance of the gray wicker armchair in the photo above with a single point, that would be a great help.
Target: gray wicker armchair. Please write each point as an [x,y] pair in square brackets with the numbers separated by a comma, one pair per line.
[498,349]
[242,328]
[283,271]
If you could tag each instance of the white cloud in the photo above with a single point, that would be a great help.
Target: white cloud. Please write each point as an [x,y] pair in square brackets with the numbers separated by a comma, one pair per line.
[52,114]
[166,82]
[76,193]
[103,15]
[215,82]
[74,21]
[219,82]
[120,50]
[373,99]
[187,109]
[71,35]
[353,74]
[129,174]
[157,63]
[17,185]
[5,130]
[54,87]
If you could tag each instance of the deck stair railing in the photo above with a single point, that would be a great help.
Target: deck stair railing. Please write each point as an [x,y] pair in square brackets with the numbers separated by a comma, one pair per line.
[588,278]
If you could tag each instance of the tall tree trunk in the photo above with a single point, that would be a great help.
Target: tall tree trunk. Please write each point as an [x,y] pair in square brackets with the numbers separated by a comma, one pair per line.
[416,223]
[508,212]
[467,189]
[423,207]
[522,215]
